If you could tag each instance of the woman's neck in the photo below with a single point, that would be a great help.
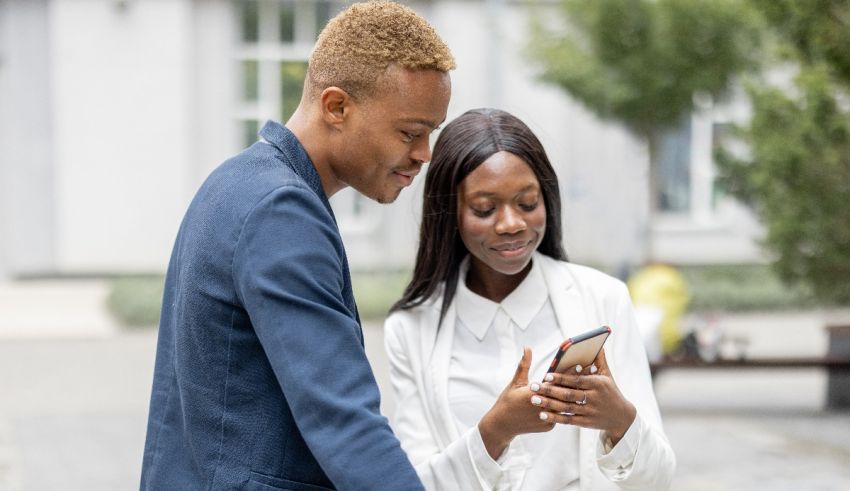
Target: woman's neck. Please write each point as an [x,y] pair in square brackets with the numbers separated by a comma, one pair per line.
[491,284]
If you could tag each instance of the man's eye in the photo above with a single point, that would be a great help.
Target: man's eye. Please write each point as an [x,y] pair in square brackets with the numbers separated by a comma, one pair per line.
[408,137]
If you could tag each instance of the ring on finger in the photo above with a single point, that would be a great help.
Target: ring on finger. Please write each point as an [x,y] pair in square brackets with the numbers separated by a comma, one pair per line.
[584,400]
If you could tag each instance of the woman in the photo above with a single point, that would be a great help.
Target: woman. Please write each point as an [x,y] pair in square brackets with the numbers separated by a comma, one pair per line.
[491,286]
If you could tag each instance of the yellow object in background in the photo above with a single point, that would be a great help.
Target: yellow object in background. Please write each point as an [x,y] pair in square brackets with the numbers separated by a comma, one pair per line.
[662,287]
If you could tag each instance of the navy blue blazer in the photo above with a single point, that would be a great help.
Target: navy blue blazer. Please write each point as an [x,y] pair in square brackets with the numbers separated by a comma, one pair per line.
[261,378]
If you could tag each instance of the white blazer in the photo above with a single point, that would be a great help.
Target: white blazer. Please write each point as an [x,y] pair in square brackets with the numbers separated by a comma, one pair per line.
[582,298]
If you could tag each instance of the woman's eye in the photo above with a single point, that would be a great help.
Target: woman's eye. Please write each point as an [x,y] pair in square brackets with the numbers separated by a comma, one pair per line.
[482,213]
[529,206]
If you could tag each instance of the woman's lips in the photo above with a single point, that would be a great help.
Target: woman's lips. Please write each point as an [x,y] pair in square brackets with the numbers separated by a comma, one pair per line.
[512,249]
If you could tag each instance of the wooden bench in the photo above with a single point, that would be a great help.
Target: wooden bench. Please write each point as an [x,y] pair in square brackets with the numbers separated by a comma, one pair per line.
[838,370]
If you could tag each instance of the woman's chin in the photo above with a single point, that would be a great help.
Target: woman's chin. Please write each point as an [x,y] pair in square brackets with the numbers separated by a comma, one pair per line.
[509,266]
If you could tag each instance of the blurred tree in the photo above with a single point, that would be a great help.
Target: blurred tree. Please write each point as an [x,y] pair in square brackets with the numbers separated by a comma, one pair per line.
[642,62]
[797,176]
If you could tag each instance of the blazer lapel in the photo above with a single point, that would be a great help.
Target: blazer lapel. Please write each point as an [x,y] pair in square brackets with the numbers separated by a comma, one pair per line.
[437,344]
[565,297]
[573,318]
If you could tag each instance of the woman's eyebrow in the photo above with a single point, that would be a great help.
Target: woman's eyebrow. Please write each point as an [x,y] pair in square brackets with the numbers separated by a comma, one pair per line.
[525,189]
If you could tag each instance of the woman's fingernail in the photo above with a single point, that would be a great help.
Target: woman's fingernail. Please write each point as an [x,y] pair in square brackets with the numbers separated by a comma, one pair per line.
[549,377]
[544,416]
[578,368]
[535,387]
[593,369]
[536,400]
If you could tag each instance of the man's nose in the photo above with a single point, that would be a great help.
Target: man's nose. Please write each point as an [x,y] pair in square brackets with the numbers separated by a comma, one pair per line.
[421,151]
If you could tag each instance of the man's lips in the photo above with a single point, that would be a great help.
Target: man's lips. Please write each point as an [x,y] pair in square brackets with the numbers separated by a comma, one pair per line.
[408,173]
[405,177]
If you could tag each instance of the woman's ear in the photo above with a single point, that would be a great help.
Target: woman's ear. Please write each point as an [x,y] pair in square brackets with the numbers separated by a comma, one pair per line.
[335,105]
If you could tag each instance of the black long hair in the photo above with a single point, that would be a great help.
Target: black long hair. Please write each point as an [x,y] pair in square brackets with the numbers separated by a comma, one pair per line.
[462,146]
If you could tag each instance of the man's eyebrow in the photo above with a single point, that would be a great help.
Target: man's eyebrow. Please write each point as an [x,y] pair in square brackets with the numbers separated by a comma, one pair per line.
[423,122]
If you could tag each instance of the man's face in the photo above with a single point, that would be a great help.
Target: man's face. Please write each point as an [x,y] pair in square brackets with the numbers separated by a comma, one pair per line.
[385,142]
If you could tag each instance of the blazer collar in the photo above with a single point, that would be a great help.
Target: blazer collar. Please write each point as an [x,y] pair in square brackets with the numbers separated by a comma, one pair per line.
[279,136]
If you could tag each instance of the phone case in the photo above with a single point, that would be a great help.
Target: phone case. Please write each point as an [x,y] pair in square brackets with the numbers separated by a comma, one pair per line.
[580,350]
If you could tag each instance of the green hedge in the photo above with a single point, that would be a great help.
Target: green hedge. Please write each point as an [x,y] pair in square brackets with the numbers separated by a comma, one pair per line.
[136,300]
[744,287]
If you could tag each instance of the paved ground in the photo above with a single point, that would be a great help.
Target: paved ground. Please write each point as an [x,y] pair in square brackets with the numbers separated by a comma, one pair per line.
[73,404]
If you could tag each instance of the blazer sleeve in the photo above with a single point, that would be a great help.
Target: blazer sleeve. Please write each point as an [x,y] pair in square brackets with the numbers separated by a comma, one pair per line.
[654,461]
[288,274]
[460,465]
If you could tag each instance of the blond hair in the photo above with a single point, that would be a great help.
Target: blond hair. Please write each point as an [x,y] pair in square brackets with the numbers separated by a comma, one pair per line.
[358,45]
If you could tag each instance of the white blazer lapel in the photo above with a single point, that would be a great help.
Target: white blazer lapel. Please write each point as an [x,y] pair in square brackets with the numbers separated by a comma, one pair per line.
[437,374]
[573,318]
[565,297]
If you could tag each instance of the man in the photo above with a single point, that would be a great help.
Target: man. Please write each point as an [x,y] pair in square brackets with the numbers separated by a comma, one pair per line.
[261,379]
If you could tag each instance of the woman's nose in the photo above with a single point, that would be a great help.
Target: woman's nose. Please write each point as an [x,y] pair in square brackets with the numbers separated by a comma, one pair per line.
[510,222]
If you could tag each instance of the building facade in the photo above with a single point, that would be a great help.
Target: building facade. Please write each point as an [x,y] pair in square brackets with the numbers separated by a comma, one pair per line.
[112,112]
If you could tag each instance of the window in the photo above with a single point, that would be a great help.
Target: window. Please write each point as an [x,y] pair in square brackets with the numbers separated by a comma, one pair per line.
[674,169]
[686,186]
[275,37]
[275,40]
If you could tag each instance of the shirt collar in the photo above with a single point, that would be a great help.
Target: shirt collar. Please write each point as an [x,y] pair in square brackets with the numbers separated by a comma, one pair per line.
[521,305]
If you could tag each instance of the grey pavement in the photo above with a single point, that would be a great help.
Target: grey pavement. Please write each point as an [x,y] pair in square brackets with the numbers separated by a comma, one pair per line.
[74,395]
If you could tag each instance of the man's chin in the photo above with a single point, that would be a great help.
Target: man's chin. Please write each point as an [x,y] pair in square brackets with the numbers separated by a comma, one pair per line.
[387,197]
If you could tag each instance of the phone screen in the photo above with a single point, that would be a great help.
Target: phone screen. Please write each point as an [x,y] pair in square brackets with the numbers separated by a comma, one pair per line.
[580,350]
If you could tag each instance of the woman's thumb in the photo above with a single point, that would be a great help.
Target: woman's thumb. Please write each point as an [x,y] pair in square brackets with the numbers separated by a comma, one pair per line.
[521,375]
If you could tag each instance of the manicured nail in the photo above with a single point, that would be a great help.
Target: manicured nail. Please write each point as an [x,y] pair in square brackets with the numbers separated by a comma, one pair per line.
[536,400]
[593,369]
[534,387]
[549,377]
[544,416]
[578,368]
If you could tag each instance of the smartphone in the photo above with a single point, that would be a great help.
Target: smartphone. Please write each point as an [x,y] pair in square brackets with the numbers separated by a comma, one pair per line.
[580,350]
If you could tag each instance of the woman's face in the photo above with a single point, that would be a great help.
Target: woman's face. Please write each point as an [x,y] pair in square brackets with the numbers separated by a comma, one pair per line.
[501,214]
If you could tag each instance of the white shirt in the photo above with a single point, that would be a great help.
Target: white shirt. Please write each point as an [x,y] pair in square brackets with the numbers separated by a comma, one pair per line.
[486,349]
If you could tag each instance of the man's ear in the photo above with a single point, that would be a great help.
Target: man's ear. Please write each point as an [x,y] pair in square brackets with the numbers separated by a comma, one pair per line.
[335,105]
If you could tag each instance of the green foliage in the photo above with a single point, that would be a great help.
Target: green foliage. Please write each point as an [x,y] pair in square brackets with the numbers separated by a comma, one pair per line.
[817,31]
[799,181]
[798,175]
[642,61]
[136,300]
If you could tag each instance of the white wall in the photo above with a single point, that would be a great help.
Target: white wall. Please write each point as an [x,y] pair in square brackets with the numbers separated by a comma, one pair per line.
[213,129]
[121,89]
[26,140]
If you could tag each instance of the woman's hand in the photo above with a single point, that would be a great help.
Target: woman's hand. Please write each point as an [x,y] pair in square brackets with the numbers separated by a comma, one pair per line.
[589,400]
[511,414]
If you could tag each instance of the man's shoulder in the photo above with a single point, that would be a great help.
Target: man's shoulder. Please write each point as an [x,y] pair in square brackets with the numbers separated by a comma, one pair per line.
[259,163]
[254,174]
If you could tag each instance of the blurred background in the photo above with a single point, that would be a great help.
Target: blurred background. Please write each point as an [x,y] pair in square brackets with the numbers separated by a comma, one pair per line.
[703,152]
